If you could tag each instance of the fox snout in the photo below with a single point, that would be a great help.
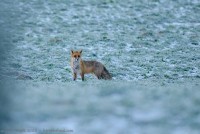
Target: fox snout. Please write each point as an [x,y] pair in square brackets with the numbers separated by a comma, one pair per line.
[76,59]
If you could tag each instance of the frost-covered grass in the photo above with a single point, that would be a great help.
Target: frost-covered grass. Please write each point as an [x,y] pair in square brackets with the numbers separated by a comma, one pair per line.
[104,107]
[134,39]
[151,47]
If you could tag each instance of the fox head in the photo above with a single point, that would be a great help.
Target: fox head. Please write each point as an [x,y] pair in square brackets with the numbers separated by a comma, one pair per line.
[76,55]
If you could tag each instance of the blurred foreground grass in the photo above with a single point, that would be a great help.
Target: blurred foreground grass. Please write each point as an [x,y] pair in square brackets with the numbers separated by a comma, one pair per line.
[104,106]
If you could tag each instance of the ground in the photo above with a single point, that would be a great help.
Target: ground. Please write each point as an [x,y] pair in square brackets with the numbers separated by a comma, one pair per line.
[151,48]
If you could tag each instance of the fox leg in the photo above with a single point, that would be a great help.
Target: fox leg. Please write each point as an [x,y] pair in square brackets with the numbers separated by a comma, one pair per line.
[82,76]
[74,76]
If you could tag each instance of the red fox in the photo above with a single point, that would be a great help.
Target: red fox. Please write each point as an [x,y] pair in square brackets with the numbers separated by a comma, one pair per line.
[84,67]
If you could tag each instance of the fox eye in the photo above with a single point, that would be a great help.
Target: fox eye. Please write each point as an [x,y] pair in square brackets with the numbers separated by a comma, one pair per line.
[79,56]
[74,56]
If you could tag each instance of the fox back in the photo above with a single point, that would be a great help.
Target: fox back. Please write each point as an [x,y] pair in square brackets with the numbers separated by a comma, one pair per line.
[98,69]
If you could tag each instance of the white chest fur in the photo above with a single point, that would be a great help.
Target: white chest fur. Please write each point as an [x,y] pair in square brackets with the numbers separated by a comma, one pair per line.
[76,67]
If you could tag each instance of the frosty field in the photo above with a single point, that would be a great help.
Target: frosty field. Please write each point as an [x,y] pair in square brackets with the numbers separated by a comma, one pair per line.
[103,107]
[151,48]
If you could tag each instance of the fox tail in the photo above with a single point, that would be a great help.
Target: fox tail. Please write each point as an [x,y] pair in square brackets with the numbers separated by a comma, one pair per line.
[104,74]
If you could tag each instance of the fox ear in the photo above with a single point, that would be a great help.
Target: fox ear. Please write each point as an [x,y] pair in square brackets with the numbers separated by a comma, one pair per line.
[72,51]
[81,51]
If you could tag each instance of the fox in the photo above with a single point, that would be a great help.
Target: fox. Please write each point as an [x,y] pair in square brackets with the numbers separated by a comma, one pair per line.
[82,67]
